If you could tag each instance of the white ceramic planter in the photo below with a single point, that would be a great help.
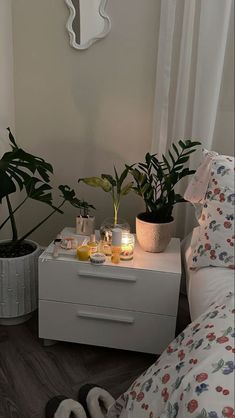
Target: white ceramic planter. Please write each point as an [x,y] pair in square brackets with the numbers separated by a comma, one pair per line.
[153,237]
[18,287]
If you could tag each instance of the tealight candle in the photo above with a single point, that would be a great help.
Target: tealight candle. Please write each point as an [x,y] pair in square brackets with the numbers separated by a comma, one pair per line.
[128,243]
[83,252]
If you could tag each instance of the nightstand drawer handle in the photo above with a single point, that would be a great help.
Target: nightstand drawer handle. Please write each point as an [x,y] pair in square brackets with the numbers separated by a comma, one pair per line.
[105,317]
[107,276]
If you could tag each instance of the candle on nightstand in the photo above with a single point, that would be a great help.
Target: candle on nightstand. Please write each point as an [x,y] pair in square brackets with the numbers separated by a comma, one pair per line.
[128,243]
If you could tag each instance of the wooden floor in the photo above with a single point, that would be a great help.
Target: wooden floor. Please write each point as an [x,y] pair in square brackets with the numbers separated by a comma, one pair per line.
[30,374]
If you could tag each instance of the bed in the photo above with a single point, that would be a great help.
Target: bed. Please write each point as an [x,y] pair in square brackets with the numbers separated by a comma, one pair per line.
[205,285]
[194,377]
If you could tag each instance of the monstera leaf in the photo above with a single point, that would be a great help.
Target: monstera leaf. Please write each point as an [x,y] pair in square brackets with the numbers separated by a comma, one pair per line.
[69,195]
[16,166]
[30,174]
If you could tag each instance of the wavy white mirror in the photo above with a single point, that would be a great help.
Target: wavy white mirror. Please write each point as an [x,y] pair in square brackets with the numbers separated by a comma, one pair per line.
[87,23]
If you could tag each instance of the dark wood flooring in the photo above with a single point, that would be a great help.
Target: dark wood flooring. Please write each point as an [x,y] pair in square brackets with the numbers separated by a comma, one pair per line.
[30,374]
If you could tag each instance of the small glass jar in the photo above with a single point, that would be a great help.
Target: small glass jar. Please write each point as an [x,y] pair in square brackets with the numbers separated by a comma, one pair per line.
[128,244]
[106,232]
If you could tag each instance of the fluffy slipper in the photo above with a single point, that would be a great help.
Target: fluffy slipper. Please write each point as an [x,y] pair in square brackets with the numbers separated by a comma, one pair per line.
[95,400]
[61,407]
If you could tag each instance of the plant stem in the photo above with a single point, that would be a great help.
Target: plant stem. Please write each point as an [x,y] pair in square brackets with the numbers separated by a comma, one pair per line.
[41,222]
[17,207]
[12,219]
[115,213]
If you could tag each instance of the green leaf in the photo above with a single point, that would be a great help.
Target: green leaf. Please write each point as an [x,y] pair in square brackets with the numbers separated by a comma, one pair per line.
[37,190]
[166,162]
[97,182]
[16,177]
[148,159]
[7,185]
[172,158]
[116,174]
[176,150]
[182,160]
[123,176]
[143,167]
[11,138]
[69,195]
[109,178]
[182,145]
[178,167]
[146,187]
[186,172]
[126,189]
[190,144]
[136,174]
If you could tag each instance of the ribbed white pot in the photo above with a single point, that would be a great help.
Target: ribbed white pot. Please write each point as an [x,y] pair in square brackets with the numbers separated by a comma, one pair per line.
[18,287]
[153,237]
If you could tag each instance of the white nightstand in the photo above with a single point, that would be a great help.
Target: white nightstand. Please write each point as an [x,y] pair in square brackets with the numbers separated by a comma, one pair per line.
[132,306]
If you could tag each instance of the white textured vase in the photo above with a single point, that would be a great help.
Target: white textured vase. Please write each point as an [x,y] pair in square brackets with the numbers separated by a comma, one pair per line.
[153,237]
[19,287]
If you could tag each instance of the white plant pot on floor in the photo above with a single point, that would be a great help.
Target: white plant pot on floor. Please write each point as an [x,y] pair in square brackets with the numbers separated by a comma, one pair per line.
[19,287]
[153,237]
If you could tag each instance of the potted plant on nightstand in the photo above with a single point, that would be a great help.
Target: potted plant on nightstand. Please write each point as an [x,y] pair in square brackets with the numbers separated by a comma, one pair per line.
[21,171]
[155,182]
[115,187]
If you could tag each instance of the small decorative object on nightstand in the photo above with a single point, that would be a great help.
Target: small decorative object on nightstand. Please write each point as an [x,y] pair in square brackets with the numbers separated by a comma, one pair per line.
[128,244]
[132,306]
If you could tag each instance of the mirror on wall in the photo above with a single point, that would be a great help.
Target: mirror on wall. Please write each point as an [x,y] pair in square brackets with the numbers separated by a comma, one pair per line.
[87,23]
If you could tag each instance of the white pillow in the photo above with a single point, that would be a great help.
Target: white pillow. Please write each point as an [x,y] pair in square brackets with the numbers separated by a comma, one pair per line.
[213,240]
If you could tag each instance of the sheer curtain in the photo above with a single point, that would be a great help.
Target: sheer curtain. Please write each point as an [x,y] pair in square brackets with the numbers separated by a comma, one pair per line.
[192,46]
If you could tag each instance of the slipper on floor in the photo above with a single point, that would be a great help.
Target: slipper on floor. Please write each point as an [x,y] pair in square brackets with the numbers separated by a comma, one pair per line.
[62,407]
[95,400]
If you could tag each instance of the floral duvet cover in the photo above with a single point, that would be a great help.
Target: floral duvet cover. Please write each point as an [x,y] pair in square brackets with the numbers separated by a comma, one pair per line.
[193,378]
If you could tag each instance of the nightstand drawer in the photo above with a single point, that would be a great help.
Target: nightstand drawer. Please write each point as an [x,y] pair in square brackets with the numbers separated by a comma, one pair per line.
[115,287]
[105,327]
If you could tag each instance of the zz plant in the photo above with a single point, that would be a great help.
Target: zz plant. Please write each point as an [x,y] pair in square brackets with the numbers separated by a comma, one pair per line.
[113,185]
[155,180]
[29,174]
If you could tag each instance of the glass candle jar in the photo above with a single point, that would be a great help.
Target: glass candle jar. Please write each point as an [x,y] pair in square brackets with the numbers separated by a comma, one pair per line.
[128,244]
[106,232]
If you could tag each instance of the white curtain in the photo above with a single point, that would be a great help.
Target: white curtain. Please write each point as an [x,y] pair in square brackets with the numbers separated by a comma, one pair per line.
[192,45]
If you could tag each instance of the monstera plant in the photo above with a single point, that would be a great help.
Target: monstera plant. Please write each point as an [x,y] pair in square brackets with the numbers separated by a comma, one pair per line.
[30,175]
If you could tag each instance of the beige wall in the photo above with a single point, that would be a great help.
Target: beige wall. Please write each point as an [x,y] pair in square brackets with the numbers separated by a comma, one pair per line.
[6,87]
[84,110]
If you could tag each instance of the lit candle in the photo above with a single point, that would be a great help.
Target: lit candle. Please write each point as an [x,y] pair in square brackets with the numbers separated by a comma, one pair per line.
[128,243]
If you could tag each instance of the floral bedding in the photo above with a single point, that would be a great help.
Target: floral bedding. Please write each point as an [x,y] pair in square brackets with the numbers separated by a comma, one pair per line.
[193,378]
[213,240]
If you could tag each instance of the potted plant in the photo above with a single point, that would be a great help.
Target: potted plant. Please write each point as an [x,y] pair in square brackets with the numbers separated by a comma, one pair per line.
[155,182]
[21,171]
[115,187]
